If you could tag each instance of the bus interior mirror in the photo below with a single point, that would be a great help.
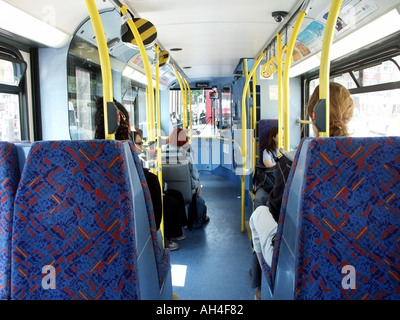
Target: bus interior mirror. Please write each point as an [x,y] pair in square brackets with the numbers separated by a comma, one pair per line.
[112,117]
[319,115]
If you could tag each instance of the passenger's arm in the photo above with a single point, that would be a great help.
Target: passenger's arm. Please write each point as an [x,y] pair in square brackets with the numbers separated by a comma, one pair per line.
[267,159]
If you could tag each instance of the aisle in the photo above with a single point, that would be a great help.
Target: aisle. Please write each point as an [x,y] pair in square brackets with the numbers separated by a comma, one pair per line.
[213,263]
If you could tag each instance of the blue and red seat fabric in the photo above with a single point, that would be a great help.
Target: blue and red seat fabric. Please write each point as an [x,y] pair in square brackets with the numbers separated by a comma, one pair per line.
[73,213]
[162,255]
[348,218]
[264,126]
[9,179]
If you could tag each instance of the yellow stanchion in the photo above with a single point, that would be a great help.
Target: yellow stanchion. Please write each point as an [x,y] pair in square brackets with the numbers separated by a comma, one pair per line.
[181,85]
[324,71]
[143,54]
[286,88]
[184,107]
[244,145]
[253,121]
[158,115]
[279,62]
[104,61]
[190,109]
[244,133]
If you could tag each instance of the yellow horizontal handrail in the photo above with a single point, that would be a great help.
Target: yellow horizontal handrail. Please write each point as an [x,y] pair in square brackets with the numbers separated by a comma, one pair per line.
[304,121]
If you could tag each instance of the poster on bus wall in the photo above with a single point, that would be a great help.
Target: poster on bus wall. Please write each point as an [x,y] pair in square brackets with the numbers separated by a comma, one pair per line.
[351,13]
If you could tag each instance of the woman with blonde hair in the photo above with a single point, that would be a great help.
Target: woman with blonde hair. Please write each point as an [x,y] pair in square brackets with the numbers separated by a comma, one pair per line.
[263,221]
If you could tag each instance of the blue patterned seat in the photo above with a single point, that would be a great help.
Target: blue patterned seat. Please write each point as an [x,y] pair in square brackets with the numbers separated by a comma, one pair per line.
[264,126]
[9,178]
[73,224]
[162,256]
[270,272]
[342,212]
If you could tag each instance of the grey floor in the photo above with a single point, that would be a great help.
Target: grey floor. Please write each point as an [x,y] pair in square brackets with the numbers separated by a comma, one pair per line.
[213,263]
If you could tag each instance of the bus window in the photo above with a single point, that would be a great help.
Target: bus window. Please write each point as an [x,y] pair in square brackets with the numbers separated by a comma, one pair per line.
[129,94]
[84,84]
[12,71]
[210,110]
[376,101]
[226,101]
[9,117]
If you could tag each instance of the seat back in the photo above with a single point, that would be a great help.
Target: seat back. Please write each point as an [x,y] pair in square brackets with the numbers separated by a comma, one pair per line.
[73,229]
[9,178]
[342,207]
[153,259]
[264,126]
[177,176]
[285,273]
[22,152]
[176,173]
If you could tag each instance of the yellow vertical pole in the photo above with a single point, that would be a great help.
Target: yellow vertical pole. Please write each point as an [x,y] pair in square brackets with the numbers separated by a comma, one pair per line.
[148,114]
[104,61]
[145,59]
[158,106]
[324,70]
[184,97]
[244,133]
[152,116]
[286,87]
[280,89]
[158,134]
[244,145]
[185,103]
[190,108]
[254,120]
[181,85]
[288,60]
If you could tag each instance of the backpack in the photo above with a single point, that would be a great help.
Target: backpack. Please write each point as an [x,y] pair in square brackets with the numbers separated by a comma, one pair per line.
[197,212]
[282,170]
[264,178]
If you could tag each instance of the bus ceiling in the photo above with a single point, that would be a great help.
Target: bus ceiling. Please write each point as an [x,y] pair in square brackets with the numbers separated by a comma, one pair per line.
[208,49]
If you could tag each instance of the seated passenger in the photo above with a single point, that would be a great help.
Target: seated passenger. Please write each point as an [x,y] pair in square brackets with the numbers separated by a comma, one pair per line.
[178,142]
[124,133]
[172,202]
[265,179]
[263,221]
[137,140]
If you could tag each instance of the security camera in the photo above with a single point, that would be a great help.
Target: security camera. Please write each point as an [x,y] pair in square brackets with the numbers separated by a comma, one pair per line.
[279,15]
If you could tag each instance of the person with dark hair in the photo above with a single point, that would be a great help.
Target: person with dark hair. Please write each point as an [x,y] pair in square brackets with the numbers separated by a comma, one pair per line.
[174,206]
[267,173]
[123,130]
[173,203]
